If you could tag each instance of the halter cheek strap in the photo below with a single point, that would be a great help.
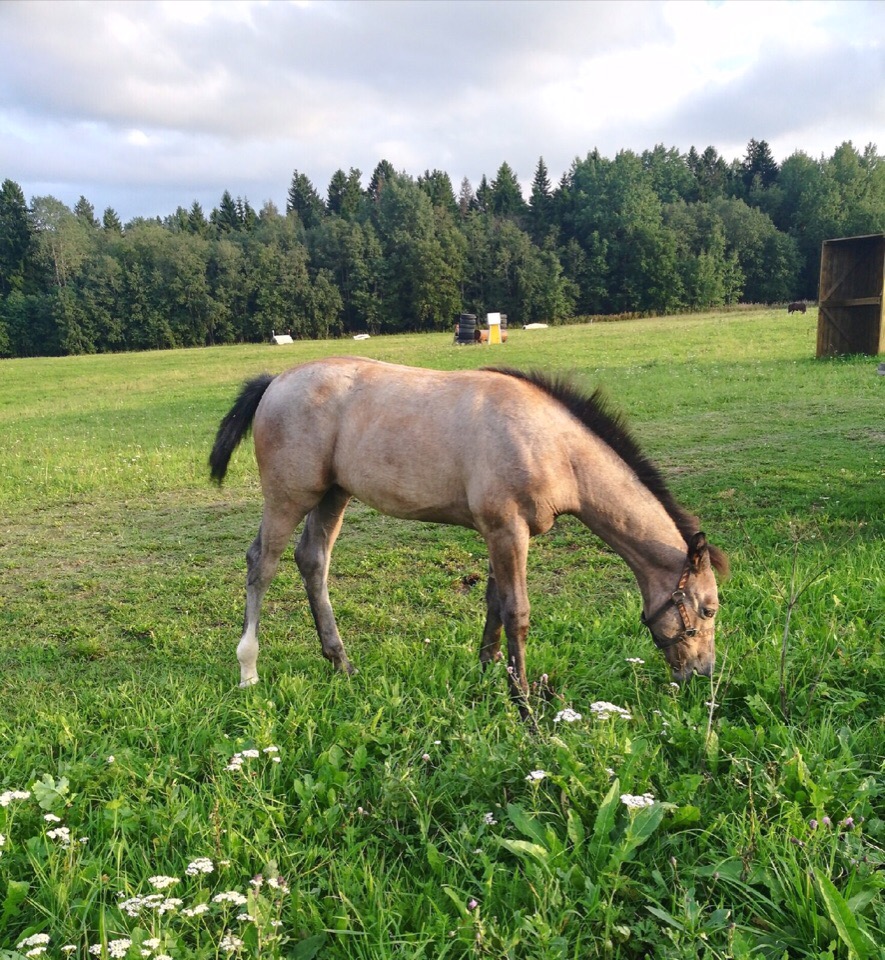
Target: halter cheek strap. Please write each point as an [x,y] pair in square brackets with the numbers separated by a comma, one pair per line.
[677,599]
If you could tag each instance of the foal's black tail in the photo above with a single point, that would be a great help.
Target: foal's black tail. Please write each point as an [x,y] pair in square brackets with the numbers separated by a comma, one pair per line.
[236,424]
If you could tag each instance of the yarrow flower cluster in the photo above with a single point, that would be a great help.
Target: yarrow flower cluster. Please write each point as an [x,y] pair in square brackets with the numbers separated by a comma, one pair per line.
[62,834]
[489,819]
[568,716]
[536,776]
[198,866]
[637,802]
[116,948]
[9,795]
[603,710]
[636,660]
[35,945]
[161,882]
[154,903]
[238,759]
[230,943]
[230,896]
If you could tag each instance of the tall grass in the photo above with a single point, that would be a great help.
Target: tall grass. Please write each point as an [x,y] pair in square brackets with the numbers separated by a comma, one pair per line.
[398,814]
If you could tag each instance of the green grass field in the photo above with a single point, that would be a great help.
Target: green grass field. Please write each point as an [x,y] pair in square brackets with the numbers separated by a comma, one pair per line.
[396,815]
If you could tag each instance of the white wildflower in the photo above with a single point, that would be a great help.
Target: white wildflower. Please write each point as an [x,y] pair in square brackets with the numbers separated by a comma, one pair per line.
[637,802]
[35,940]
[271,749]
[119,948]
[603,710]
[489,819]
[9,795]
[277,883]
[35,952]
[230,943]
[69,948]
[637,660]
[230,896]
[198,866]
[151,944]
[62,834]
[196,911]
[112,759]
[161,883]
[250,754]
[536,776]
[245,918]
[568,715]
[96,949]
[51,818]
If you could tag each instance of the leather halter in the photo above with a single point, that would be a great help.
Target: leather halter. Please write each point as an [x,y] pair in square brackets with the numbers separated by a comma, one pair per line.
[677,599]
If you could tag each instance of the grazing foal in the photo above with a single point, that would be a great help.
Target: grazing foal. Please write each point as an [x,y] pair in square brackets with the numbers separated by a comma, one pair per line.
[496,450]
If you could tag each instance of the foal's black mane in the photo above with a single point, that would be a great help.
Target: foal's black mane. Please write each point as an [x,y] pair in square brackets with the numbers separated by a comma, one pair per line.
[595,413]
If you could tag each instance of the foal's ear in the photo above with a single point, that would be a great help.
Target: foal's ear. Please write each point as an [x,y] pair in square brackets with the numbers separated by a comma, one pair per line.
[698,553]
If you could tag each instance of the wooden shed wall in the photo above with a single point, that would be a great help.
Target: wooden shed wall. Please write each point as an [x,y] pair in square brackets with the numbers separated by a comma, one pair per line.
[851,316]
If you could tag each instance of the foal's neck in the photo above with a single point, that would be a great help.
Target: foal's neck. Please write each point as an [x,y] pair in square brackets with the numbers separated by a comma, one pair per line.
[624,513]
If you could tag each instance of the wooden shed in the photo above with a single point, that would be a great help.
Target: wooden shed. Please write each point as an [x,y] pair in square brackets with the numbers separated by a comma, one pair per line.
[851,316]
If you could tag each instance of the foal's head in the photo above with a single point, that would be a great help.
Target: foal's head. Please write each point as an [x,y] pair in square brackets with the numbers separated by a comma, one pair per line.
[683,626]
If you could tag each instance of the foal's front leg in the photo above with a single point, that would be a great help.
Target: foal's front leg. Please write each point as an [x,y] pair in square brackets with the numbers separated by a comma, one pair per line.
[490,650]
[508,551]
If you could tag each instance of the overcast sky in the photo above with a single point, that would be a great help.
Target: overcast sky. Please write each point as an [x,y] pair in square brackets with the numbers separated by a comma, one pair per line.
[145,106]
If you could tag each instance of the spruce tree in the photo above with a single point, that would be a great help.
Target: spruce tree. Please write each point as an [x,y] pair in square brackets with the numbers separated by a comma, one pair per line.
[304,200]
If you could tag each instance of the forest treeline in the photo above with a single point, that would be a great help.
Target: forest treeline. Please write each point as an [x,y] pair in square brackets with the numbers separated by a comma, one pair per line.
[655,232]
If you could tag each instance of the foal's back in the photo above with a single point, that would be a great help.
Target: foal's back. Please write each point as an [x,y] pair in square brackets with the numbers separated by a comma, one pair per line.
[413,443]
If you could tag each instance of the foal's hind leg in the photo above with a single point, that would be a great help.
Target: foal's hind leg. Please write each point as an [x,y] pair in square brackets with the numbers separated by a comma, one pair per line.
[313,554]
[262,560]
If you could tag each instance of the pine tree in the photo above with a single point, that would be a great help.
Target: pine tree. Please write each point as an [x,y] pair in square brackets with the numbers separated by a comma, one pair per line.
[304,200]
[85,212]
[16,238]
[382,174]
[196,220]
[466,198]
[506,197]
[110,221]
[225,217]
[759,168]
[540,203]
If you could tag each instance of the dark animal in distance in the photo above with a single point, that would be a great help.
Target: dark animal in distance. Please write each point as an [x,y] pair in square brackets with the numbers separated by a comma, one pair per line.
[797,306]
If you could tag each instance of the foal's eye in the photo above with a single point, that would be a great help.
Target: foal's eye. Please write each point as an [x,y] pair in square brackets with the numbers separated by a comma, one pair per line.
[708,612]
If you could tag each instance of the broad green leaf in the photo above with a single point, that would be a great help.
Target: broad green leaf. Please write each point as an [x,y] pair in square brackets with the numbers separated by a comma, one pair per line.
[309,948]
[16,891]
[526,825]
[858,942]
[522,848]
[670,920]
[576,831]
[602,827]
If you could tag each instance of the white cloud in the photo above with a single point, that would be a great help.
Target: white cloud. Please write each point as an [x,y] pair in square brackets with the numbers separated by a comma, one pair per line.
[131,102]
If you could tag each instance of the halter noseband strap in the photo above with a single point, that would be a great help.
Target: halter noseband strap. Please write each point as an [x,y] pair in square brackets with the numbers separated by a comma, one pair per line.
[677,599]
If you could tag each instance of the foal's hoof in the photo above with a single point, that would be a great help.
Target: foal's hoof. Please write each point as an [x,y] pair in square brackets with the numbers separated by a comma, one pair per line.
[248,682]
